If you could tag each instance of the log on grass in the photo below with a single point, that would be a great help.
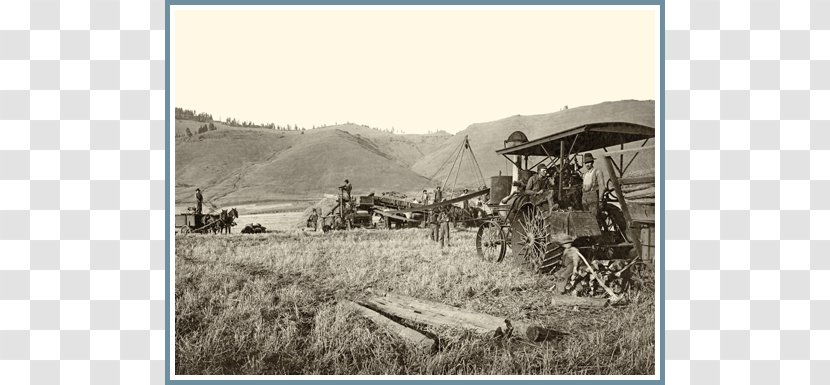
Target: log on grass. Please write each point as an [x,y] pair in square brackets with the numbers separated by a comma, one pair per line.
[439,314]
[413,336]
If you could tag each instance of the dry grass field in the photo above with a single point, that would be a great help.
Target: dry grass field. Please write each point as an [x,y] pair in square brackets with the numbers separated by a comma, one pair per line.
[268,304]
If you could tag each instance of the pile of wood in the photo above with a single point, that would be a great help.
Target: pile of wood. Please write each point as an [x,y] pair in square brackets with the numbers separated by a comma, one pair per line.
[384,308]
[639,189]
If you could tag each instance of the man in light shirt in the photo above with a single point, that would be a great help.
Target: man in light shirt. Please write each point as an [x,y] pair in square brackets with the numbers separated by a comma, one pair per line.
[593,185]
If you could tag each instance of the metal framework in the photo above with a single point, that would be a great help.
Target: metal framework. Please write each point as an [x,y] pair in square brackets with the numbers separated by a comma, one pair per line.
[595,136]
[564,146]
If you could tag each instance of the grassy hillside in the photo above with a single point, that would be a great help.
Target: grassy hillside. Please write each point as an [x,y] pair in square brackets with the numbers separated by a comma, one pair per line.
[406,149]
[320,163]
[212,160]
[486,138]
[235,165]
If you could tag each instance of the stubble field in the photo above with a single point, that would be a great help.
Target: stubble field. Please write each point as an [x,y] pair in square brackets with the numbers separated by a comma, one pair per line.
[268,304]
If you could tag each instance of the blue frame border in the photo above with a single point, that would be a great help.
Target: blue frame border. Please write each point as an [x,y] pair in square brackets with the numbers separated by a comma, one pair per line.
[662,111]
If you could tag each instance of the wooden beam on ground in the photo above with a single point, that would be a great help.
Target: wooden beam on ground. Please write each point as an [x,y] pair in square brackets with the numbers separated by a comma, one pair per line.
[413,336]
[438,314]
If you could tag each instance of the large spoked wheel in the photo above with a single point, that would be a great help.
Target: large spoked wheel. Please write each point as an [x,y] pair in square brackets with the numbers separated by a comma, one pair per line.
[530,237]
[490,242]
[185,230]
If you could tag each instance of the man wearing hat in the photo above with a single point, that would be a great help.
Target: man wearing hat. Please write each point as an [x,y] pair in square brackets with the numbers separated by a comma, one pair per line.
[593,185]
[198,215]
[347,188]
[434,224]
[444,227]
[536,183]
[538,187]
[198,201]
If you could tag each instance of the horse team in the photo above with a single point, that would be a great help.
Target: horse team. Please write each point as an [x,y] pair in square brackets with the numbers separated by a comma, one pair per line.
[220,223]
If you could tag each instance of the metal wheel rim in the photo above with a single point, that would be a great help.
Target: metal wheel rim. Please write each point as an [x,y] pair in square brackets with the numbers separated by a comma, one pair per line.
[533,238]
[490,242]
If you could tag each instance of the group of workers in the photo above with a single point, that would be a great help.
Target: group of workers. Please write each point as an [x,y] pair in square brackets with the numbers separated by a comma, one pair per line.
[431,198]
[580,192]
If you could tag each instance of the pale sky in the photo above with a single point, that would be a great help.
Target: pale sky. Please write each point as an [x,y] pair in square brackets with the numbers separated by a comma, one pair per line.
[416,70]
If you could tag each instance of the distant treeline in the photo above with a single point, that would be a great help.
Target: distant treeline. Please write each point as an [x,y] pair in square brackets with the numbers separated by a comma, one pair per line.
[181,113]
[186,114]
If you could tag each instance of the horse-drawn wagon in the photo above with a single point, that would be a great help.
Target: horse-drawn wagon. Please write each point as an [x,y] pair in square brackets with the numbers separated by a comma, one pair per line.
[191,222]
[617,240]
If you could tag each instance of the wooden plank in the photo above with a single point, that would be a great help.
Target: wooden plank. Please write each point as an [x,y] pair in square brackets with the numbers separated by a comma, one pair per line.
[400,218]
[637,180]
[429,318]
[444,203]
[627,189]
[621,197]
[413,336]
[647,193]
[483,320]
[441,315]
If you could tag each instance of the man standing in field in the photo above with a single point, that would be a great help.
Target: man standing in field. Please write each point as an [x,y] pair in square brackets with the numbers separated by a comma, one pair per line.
[438,194]
[198,215]
[424,198]
[433,225]
[347,188]
[198,201]
[444,229]
[593,185]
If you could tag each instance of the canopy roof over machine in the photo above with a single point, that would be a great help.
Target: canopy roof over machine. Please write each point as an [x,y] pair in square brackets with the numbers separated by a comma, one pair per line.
[588,137]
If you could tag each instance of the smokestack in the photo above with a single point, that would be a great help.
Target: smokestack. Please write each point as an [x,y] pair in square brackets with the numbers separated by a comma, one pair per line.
[515,139]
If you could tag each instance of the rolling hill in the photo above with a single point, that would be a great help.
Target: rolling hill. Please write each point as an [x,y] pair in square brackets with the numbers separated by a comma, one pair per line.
[237,165]
[234,165]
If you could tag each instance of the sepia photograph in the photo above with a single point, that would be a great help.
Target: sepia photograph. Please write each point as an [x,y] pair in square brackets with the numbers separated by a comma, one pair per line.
[415,192]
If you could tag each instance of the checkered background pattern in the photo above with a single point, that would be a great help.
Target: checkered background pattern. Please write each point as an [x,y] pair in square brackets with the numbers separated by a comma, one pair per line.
[82,191]
[747,192]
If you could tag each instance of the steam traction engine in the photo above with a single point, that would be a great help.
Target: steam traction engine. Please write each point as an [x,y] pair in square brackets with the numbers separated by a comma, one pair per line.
[617,243]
